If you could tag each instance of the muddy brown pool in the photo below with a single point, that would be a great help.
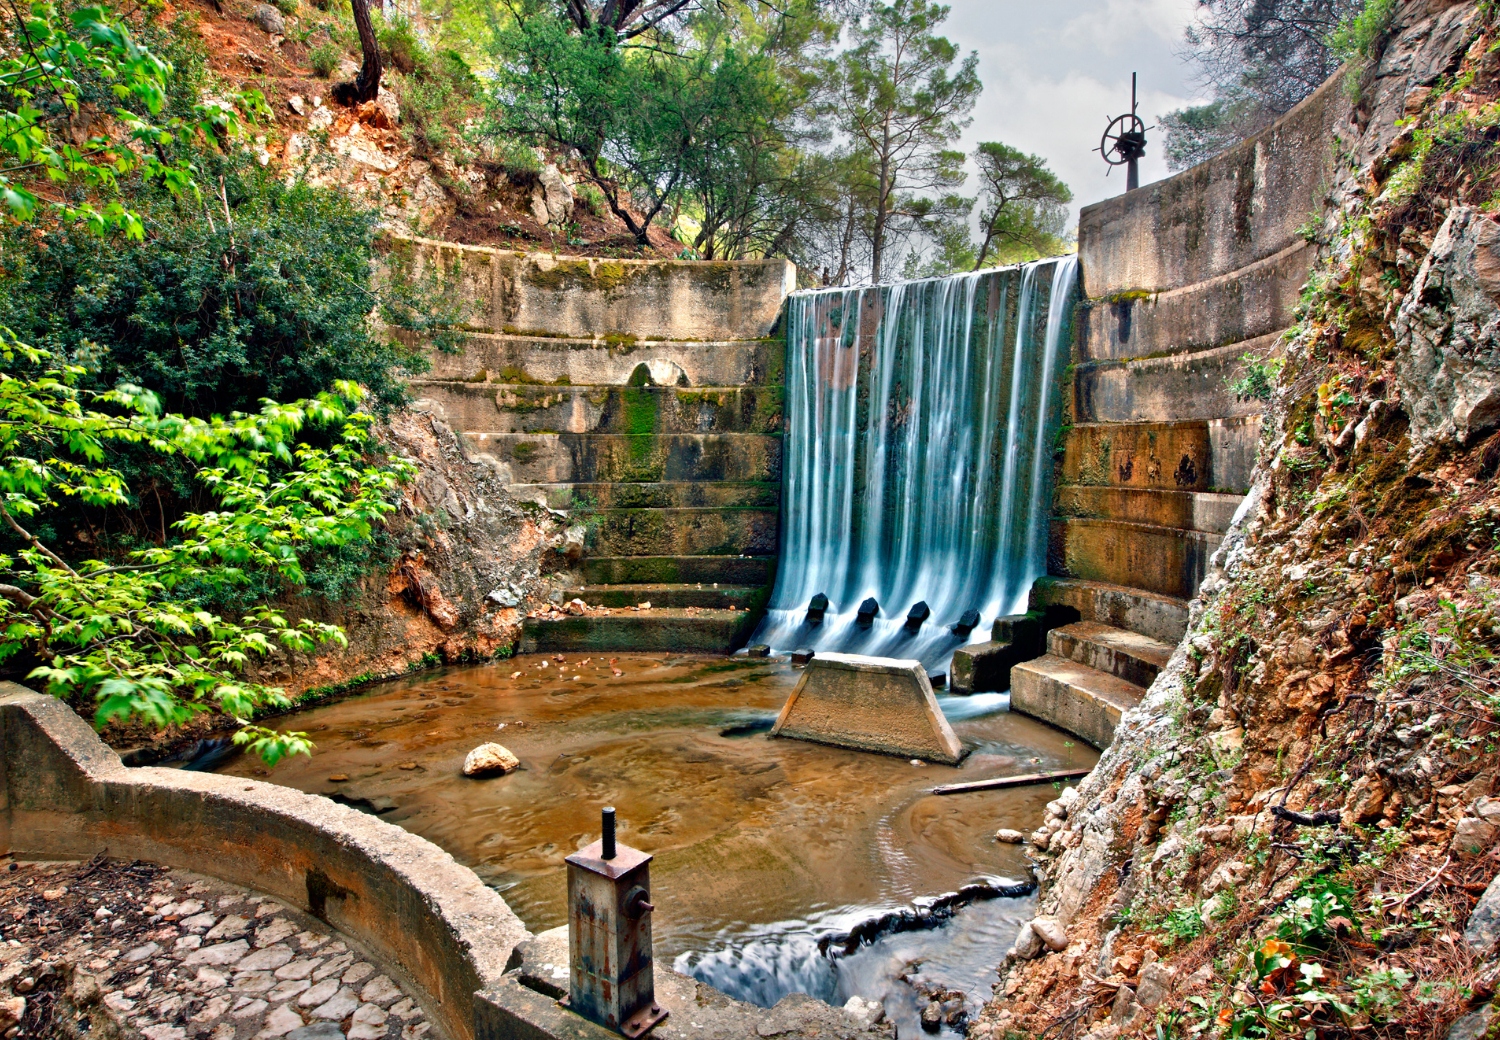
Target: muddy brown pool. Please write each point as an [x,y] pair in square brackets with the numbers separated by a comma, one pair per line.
[747,830]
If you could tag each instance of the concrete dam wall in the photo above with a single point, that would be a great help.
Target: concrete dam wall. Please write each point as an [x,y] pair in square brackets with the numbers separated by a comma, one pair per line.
[1181,280]
[645,398]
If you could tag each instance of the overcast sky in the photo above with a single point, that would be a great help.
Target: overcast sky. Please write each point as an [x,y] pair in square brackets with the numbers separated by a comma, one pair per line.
[1054,70]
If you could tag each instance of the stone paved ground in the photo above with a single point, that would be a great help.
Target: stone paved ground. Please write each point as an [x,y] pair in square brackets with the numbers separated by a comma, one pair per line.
[119,950]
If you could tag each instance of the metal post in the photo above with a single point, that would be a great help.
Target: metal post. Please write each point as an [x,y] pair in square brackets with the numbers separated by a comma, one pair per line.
[611,975]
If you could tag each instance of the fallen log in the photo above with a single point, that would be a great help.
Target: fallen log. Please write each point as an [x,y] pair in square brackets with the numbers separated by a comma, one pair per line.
[1011,781]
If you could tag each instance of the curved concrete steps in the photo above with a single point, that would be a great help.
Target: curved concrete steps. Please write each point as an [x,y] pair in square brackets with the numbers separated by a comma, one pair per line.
[1119,652]
[1082,700]
[685,630]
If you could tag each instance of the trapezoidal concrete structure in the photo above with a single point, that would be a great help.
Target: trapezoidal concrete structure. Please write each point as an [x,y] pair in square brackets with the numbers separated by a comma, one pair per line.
[877,704]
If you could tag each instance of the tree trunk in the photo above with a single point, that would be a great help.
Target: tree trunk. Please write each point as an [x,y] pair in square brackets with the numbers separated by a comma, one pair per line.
[367,83]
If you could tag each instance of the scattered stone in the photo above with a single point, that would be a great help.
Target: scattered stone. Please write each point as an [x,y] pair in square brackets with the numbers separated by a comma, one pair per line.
[1483,930]
[140,953]
[368,1023]
[1051,932]
[296,104]
[224,953]
[268,19]
[1473,1026]
[268,959]
[1154,986]
[339,778]
[232,927]
[299,969]
[1028,943]
[866,1013]
[12,1011]
[340,1006]
[379,990]
[280,1021]
[357,972]
[932,1017]
[317,1031]
[319,994]
[490,760]
[1010,837]
[1472,836]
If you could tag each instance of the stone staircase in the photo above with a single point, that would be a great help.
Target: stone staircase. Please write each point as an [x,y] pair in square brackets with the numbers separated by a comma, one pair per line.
[653,420]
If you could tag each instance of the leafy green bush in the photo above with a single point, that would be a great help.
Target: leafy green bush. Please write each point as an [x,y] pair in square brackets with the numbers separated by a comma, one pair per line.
[213,313]
[401,48]
[1259,378]
[592,198]
[1357,39]
[286,6]
[324,59]
[433,100]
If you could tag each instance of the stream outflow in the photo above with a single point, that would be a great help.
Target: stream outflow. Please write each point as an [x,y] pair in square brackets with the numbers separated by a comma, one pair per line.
[920,420]
[759,842]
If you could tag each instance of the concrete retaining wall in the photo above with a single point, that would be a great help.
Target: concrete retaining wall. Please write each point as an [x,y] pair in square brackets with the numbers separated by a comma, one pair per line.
[587,382]
[65,795]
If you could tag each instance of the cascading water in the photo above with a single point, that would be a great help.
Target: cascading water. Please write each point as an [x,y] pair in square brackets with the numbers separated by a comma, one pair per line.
[918,457]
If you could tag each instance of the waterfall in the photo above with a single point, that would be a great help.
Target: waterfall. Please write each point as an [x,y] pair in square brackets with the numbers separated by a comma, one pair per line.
[917,458]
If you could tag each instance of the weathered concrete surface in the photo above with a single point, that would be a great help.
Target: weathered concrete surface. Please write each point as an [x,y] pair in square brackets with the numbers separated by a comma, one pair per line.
[520,293]
[608,409]
[643,398]
[870,703]
[1252,301]
[986,666]
[676,629]
[1194,511]
[1170,388]
[528,361]
[523,1006]
[1127,655]
[1166,560]
[1072,696]
[1240,207]
[1152,614]
[64,794]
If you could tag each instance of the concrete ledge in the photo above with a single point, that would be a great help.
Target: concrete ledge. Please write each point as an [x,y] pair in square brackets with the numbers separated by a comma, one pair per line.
[1160,617]
[532,360]
[687,494]
[1255,300]
[678,570]
[682,532]
[1239,207]
[986,666]
[1192,455]
[1127,655]
[66,795]
[561,458]
[1081,700]
[1168,389]
[1189,510]
[870,704]
[1158,559]
[705,631]
[526,408]
[506,291]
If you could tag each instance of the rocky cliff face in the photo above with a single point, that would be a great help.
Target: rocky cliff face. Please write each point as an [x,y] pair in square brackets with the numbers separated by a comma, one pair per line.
[467,559]
[1296,832]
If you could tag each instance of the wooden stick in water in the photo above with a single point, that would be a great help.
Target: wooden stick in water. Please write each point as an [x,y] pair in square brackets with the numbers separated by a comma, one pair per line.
[1011,781]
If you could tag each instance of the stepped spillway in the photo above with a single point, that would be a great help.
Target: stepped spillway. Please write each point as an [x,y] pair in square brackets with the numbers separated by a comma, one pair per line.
[920,421]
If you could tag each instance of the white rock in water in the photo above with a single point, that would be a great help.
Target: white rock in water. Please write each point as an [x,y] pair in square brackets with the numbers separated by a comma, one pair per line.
[490,759]
[1009,836]
[865,1012]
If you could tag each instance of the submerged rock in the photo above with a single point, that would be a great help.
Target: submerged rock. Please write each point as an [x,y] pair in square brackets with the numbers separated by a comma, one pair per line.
[490,760]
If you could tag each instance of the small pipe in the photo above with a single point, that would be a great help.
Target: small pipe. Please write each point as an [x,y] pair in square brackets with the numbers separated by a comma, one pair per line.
[608,851]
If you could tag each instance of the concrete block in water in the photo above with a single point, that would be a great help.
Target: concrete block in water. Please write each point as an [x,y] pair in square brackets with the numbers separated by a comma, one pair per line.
[869,703]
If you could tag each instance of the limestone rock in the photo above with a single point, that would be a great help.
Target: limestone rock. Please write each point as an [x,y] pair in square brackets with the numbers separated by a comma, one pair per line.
[12,1010]
[296,104]
[1028,943]
[1448,332]
[865,1012]
[1483,929]
[552,198]
[490,760]
[1154,986]
[1472,836]
[1010,837]
[268,19]
[1472,1026]
[1051,932]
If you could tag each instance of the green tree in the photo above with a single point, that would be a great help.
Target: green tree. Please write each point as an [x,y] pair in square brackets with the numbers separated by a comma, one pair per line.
[1022,205]
[902,103]
[125,634]
[49,64]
